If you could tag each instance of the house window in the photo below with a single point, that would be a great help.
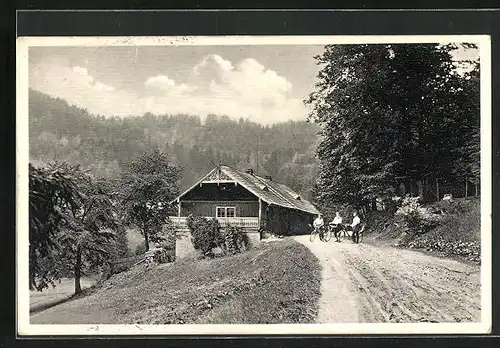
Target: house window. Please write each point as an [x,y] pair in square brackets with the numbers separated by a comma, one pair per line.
[222,212]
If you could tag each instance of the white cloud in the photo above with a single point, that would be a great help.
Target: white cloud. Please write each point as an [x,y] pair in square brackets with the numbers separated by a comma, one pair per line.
[160,81]
[75,85]
[212,61]
[102,87]
[245,89]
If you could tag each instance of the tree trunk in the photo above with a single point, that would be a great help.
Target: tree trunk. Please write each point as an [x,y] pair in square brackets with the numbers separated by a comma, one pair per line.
[32,263]
[437,189]
[466,187]
[146,237]
[420,185]
[78,270]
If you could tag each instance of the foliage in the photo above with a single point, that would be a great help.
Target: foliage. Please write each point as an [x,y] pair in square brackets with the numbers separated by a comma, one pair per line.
[89,242]
[468,151]
[235,239]
[141,249]
[457,233]
[148,186]
[52,192]
[121,243]
[170,235]
[84,240]
[206,234]
[417,219]
[387,112]
[105,145]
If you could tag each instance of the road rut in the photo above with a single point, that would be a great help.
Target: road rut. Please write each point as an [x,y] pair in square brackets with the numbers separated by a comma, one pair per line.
[364,283]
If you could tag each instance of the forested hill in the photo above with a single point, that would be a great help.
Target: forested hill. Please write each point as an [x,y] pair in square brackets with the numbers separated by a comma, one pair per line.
[61,132]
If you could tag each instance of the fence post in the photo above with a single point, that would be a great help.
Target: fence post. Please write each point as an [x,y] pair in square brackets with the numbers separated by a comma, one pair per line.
[466,187]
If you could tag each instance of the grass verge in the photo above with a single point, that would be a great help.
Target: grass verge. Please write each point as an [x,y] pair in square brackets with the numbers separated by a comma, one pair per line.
[53,296]
[277,282]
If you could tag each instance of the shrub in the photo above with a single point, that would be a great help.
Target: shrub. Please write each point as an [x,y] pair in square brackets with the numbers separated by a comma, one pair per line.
[417,219]
[235,239]
[450,207]
[206,234]
[141,249]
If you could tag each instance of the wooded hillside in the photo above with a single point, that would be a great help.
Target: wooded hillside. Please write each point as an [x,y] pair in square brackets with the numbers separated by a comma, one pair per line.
[61,132]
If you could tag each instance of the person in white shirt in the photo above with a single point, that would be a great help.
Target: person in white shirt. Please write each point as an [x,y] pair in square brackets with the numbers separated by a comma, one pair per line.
[336,224]
[355,225]
[318,223]
[337,220]
[355,220]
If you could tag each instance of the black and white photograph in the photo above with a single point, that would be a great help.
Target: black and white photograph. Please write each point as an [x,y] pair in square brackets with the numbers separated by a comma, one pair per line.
[246,185]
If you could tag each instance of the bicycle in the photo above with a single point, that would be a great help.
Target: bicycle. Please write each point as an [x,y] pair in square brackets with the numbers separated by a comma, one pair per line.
[346,232]
[324,236]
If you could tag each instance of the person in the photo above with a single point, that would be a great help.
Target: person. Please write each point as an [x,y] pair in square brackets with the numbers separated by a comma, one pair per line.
[355,225]
[318,224]
[336,224]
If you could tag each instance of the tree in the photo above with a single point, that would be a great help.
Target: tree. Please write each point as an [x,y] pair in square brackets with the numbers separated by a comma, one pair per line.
[72,219]
[88,241]
[52,191]
[468,150]
[149,184]
[386,111]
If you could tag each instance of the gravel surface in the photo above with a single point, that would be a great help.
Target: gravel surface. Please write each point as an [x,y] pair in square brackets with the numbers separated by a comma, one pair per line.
[366,283]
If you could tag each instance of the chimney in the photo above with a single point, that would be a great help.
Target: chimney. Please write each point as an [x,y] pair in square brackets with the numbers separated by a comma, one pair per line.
[269,177]
[249,171]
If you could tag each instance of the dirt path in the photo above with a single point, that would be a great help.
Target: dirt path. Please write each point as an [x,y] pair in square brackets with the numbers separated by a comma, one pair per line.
[365,283]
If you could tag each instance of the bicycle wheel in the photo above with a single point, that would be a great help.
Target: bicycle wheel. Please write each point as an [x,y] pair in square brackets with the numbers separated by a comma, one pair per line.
[327,235]
[355,237]
[322,236]
[341,235]
[360,237]
[312,236]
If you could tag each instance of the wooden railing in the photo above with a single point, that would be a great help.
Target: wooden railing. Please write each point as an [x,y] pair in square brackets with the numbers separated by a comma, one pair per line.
[249,222]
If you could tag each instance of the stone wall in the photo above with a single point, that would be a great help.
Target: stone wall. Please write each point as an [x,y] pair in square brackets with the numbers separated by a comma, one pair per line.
[253,238]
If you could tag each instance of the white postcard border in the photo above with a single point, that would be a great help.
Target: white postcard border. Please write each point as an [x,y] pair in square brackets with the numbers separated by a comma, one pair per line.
[22,192]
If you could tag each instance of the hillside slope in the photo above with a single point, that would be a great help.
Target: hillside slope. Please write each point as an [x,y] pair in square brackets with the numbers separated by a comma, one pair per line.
[458,235]
[59,131]
[262,286]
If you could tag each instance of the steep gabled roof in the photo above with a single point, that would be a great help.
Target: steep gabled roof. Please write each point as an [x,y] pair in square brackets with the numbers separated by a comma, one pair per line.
[269,191]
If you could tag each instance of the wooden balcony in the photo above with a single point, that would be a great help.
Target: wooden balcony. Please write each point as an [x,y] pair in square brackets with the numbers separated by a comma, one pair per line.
[244,222]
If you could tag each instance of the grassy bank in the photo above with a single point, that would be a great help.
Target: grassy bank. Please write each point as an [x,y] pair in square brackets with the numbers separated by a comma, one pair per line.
[278,282]
[458,235]
[64,290]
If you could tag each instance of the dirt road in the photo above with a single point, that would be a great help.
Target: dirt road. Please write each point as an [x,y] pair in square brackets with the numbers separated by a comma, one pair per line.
[365,283]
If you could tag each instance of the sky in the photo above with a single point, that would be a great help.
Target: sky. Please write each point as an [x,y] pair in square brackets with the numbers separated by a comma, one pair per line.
[265,84]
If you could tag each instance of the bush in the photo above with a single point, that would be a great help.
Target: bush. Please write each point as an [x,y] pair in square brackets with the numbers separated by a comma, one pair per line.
[141,249]
[450,207]
[206,234]
[416,219]
[235,239]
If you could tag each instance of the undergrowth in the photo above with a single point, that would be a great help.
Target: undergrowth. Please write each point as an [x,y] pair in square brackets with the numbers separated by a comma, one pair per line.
[451,228]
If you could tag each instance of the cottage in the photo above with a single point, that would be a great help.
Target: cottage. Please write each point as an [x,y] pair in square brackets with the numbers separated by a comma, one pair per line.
[242,199]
